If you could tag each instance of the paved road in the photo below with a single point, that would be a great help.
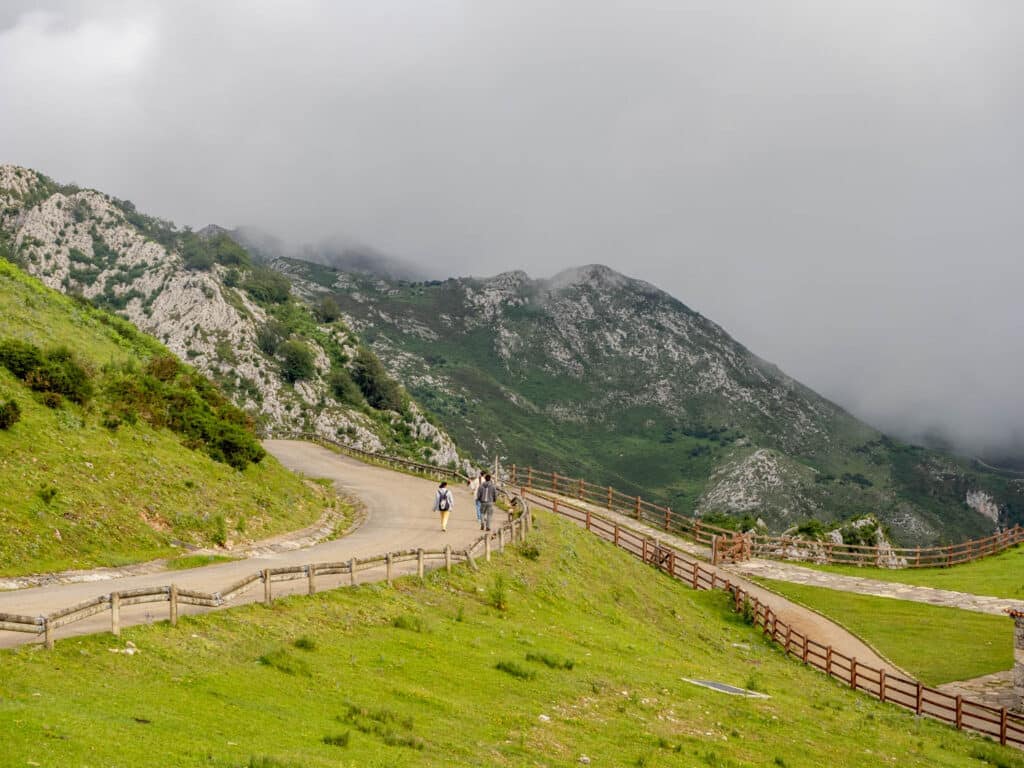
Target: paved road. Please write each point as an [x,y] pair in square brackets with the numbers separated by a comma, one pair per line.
[399,516]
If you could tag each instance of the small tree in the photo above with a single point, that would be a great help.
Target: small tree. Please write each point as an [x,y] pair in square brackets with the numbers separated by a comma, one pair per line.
[327,310]
[296,361]
[343,388]
[380,390]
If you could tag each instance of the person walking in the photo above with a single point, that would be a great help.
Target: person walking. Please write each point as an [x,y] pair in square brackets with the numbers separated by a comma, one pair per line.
[443,503]
[486,494]
[474,486]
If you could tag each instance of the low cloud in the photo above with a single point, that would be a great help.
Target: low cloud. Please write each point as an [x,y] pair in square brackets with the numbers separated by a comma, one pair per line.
[837,185]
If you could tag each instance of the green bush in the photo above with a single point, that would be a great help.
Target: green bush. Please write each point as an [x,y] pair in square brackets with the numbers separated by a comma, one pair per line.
[343,388]
[10,414]
[380,390]
[327,310]
[55,371]
[296,361]
[267,286]
[270,335]
[515,669]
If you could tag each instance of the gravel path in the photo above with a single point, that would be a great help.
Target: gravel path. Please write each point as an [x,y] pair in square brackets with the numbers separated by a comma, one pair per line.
[770,569]
[398,516]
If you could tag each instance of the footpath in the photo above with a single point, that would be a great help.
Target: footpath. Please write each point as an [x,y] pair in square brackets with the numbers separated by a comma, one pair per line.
[796,574]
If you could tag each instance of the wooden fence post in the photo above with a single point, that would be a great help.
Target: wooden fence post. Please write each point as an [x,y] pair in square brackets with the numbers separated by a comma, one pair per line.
[806,650]
[487,548]
[696,583]
[643,553]
[47,635]
[419,563]
[615,535]
[1002,726]
[714,549]
[668,518]
[554,482]
[529,478]
[581,489]
[388,561]
[789,636]
[172,605]
[919,703]
[881,684]
[115,614]
[853,673]
[268,596]
[828,661]
[637,512]
[311,576]
[959,712]
[501,539]
[352,571]
[587,523]
[917,562]
[448,557]
[610,492]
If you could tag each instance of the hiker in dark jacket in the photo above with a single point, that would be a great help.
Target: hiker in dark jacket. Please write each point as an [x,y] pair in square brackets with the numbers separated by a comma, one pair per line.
[486,494]
[443,503]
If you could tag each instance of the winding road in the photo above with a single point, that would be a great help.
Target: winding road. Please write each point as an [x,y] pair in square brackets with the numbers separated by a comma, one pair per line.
[398,516]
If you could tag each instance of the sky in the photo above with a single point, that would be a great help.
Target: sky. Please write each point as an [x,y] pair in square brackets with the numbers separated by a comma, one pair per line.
[838,184]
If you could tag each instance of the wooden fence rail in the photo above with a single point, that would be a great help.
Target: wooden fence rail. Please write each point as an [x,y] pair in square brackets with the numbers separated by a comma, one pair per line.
[994,722]
[760,545]
[512,531]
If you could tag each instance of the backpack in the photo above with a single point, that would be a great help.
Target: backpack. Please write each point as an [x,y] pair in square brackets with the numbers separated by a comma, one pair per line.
[444,501]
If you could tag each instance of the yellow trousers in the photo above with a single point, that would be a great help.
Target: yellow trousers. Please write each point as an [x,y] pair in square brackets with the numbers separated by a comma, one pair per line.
[444,519]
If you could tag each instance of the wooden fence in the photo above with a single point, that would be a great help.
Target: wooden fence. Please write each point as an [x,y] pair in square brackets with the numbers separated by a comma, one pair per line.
[515,529]
[996,723]
[760,545]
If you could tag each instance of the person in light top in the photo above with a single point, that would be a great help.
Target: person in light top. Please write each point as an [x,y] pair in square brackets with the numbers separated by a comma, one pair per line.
[443,503]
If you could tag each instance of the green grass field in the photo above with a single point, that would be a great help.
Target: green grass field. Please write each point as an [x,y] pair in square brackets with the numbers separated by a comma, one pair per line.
[587,657]
[77,494]
[934,644]
[1001,575]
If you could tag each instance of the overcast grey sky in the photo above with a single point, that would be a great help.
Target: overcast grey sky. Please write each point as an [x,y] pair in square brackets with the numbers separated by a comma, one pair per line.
[838,184]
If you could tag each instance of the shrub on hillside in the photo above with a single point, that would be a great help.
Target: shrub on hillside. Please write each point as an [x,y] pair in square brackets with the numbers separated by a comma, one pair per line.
[270,335]
[267,286]
[327,310]
[168,395]
[379,389]
[54,371]
[10,414]
[296,361]
[343,388]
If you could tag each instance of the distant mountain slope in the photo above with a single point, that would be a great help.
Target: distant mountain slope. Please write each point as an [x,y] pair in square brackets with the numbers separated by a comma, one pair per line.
[598,374]
[293,366]
[120,450]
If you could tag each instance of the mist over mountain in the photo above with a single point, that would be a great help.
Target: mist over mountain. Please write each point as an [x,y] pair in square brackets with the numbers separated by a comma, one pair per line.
[339,252]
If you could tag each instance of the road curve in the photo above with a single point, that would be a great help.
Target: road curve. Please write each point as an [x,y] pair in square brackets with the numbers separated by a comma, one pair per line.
[399,516]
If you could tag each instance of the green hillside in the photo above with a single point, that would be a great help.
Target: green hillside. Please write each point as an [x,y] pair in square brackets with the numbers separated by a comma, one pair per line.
[595,374]
[586,658]
[120,450]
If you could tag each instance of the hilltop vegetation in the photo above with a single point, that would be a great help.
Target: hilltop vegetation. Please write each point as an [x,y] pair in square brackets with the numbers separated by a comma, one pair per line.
[119,450]
[560,649]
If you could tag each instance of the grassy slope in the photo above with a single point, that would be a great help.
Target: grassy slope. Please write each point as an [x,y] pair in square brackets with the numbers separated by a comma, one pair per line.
[121,496]
[998,576]
[934,644]
[198,694]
